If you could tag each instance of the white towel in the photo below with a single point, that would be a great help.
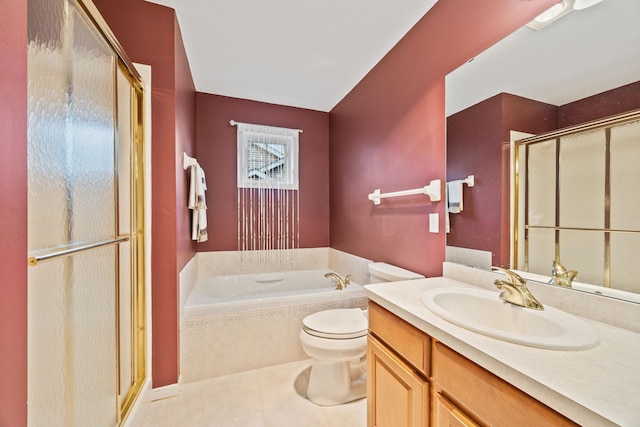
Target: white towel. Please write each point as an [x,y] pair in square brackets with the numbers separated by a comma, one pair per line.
[447,220]
[198,204]
[454,196]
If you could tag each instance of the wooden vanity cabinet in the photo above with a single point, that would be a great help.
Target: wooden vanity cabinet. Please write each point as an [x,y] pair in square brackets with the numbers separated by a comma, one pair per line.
[477,397]
[398,395]
[414,380]
[447,414]
[398,368]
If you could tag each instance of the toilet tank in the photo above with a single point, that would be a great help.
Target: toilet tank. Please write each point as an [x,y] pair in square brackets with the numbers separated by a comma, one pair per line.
[382,272]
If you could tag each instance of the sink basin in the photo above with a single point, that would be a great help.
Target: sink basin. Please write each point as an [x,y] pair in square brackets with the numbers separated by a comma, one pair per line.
[482,311]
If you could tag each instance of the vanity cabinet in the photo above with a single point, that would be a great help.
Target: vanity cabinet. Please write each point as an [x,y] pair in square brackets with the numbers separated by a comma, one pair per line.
[476,397]
[399,396]
[398,368]
[447,414]
[414,380]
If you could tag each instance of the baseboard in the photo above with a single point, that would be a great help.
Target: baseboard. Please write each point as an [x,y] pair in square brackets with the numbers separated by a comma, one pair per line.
[166,391]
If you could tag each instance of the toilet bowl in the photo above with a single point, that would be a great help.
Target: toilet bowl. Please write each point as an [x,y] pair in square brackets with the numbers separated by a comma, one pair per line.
[336,340]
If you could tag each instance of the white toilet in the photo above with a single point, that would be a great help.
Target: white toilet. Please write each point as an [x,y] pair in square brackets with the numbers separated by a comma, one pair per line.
[336,340]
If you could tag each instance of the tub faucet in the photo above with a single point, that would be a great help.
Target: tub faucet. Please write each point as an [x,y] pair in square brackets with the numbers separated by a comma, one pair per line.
[515,291]
[560,276]
[339,281]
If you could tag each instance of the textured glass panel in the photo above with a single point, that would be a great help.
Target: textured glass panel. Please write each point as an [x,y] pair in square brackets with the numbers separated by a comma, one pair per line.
[581,175]
[91,152]
[583,251]
[91,374]
[47,122]
[47,206]
[125,318]
[46,23]
[124,153]
[71,176]
[71,341]
[541,250]
[522,174]
[71,139]
[47,344]
[625,268]
[124,226]
[542,183]
[625,176]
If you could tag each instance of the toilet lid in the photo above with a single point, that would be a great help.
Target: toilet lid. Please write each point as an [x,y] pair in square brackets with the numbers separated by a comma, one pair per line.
[342,323]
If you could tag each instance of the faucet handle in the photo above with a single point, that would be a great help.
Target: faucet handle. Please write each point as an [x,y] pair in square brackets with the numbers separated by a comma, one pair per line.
[347,279]
[514,278]
[515,290]
[561,276]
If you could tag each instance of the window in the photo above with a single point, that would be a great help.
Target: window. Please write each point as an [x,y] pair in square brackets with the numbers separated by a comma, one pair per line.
[267,157]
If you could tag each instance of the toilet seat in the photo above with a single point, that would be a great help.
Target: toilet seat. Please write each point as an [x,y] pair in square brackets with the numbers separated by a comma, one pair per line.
[337,324]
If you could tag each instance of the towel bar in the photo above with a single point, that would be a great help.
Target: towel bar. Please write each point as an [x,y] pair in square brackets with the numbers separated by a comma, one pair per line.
[432,190]
[70,250]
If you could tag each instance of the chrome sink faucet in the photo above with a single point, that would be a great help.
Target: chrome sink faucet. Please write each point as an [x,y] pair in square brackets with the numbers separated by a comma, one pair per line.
[515,291]
[339,281]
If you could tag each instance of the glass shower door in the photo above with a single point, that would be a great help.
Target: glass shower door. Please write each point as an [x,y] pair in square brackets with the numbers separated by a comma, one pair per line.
[73,220]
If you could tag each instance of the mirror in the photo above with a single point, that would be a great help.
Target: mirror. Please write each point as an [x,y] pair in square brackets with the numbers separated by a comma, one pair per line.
[580,68]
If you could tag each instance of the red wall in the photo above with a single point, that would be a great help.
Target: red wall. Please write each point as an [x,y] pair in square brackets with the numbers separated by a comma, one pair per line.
[150,35]
[185,110]
[478,143]
[605,104]
[216,151]
[13,215]
[389,132]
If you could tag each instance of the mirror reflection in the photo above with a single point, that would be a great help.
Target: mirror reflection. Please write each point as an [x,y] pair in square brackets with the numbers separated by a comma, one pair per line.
[580,68]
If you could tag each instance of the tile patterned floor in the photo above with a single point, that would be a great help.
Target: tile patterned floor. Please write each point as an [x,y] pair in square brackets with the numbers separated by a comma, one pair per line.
[266,397]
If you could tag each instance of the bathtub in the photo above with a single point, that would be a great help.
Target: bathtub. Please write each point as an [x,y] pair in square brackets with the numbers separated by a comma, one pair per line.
[241,292]
[240,322]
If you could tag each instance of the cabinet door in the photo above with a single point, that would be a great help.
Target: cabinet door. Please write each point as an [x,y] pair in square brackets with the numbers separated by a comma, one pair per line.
[397,395]
[449,415]
[486,397]
[413,345]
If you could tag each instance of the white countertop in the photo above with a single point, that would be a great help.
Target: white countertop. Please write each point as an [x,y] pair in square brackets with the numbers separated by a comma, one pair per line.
[596,387]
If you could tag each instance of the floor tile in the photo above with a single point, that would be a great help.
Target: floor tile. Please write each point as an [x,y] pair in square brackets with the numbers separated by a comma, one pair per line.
[266,397]
[254,419]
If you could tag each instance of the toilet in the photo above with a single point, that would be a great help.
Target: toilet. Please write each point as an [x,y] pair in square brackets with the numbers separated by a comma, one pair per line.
[336,340]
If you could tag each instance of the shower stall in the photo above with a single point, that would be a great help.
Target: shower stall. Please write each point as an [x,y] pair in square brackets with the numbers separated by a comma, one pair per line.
[86,330]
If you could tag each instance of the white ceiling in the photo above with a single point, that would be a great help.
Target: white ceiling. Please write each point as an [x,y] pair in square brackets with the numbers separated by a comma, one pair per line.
[583,53]
[310,54]
[307,54]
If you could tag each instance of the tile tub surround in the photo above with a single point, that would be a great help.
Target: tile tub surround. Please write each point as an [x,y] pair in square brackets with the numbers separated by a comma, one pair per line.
[207,264]
[226,343]
[218,344]
[595,387]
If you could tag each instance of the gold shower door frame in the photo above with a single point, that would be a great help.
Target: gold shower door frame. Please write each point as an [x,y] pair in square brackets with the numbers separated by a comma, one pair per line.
[522,223]
[127,389]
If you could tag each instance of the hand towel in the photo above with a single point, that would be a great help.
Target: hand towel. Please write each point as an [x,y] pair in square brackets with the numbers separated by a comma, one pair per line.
[197,202]
[447,219]
[454,196]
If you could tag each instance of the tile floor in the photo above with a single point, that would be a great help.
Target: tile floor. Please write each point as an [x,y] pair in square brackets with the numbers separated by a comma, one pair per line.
[266,397]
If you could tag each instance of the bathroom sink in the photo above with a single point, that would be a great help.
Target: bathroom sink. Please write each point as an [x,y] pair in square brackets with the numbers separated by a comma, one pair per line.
[482,311]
